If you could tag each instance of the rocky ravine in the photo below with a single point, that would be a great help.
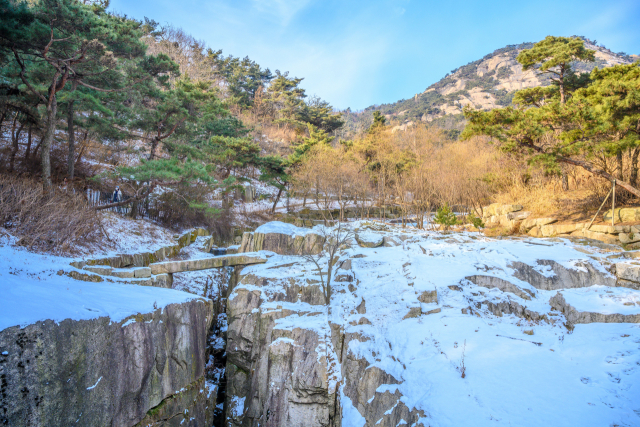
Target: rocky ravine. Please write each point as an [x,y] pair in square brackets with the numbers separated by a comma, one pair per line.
[102,353]
[422,329]
[408,317]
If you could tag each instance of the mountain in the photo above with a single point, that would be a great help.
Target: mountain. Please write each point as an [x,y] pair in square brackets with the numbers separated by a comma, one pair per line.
[487,83]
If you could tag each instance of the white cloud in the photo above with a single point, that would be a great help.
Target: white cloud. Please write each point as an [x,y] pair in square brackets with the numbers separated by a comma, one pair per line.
[283,11]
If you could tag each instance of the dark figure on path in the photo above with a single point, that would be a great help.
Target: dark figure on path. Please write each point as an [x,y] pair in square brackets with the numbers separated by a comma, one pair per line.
[117,197]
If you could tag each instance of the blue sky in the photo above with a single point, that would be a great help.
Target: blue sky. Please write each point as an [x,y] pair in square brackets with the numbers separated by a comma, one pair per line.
[358,53]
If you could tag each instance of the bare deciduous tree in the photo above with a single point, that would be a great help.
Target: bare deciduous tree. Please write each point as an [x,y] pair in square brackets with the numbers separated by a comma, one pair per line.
[334,239]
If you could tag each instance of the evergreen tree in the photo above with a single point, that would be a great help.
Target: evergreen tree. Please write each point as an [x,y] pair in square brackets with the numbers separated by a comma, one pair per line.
[63,44]
[553,56]
[379,122]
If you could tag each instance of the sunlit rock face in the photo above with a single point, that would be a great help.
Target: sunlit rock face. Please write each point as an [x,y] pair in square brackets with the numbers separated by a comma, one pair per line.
[431,330]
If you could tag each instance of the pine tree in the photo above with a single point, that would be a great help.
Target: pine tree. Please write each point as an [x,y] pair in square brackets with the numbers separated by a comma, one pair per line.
[63,44]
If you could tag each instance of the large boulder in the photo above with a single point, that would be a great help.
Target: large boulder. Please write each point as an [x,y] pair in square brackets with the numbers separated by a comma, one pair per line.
[103,373]
[283,239]
[623,215]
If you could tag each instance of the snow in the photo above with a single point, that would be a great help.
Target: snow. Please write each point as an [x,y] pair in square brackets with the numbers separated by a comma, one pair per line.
[278,227]
[95,385]
[588,377]
[32,291]
[605,300]
[127,235]
[237,405]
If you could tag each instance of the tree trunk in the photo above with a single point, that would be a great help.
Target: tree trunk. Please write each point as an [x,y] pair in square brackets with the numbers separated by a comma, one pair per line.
[71,156]
[589,167]
[565,181]
[28,150]
[154,147]
[47,142]
[633,178]
[328,287]
[273,209]
[82,148]
[619,161]
[16,138]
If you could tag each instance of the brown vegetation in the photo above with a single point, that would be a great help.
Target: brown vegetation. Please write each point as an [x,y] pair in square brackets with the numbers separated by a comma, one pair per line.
[57,221]
[420,169]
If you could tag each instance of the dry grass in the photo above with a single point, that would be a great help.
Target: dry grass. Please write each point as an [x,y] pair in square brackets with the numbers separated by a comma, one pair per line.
[57,222]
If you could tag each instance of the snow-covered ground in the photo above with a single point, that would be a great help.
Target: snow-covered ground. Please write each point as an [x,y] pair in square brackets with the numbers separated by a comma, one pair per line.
[32,291]
[134,236]
[517,372]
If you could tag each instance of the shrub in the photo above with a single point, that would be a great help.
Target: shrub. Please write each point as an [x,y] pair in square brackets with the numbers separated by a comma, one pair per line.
[57,222]
[475,220]
[189,206]
[445,217]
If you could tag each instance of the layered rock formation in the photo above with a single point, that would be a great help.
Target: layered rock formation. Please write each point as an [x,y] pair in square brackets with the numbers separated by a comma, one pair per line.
[103,373]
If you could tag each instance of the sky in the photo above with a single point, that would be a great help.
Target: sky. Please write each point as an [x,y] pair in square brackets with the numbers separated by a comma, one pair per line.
[357,53]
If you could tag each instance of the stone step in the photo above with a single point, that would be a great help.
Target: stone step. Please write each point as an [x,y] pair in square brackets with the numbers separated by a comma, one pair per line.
[123,273]
[205,263]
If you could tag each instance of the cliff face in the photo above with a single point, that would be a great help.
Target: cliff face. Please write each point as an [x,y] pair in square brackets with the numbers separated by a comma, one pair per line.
[429,329]
[103,373]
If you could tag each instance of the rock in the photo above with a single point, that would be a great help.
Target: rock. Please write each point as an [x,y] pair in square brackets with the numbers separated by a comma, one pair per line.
[103,373]
[364,321]
[84,276]
[629,237]
[575,317]
[545,221]
[584,275]
[190,407]
[535,232]
[432,311]
[512,307]
[361,308]
[369,240]
[204,243]
[205,263]
[518,215]
[556,229]
[527,225]
[610,229]
[164,280]
[103,270]
[602,237]
[428,297]
[531,223]
[491,282]
[628,274]
[130,273]
[528,332]
[391,241]
[283,239]
[279,376]
[497,209]
[623,215]
[413,312]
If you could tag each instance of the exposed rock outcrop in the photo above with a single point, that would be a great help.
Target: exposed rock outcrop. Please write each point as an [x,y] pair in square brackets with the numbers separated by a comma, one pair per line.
[283,239]
[574,316]
[280,355]
[103,373]
[491,282]
[560,277]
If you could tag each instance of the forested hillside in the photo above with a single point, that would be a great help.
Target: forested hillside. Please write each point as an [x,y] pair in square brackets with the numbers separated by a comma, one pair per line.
[485,84]
[86,94]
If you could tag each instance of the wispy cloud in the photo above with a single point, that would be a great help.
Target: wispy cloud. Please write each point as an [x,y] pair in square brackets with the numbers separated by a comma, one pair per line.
[283,11]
